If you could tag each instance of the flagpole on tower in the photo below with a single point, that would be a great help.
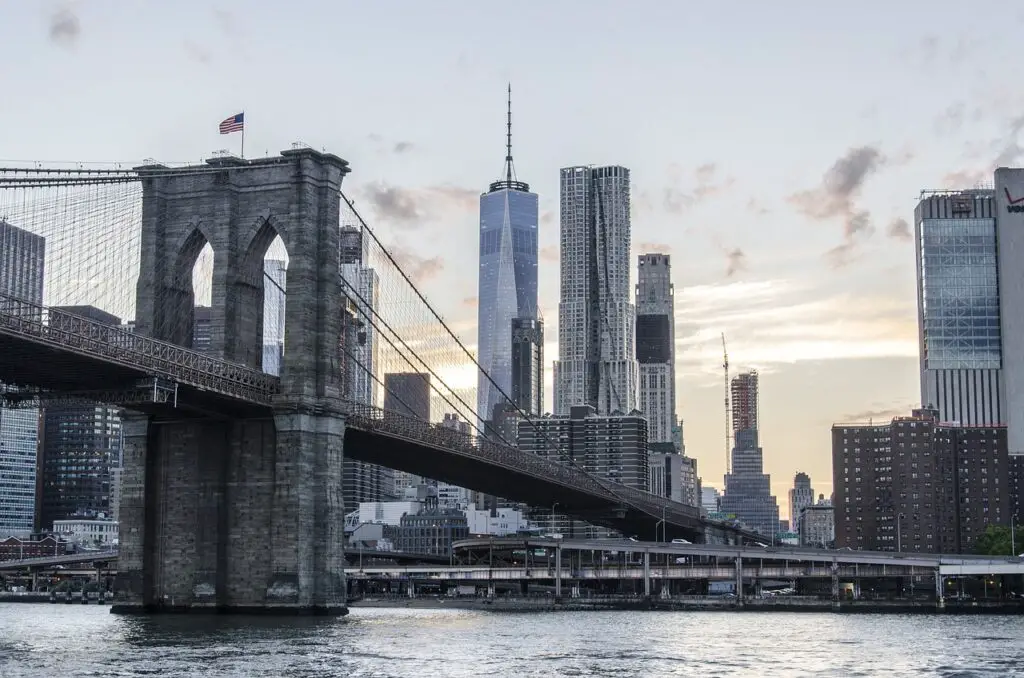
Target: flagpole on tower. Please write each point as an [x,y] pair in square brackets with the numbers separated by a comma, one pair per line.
[243,135]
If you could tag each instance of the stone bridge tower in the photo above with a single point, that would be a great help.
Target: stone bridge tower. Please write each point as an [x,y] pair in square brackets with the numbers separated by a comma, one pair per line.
[240,510]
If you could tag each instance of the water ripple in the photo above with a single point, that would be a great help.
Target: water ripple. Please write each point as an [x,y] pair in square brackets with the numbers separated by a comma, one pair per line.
[87,641]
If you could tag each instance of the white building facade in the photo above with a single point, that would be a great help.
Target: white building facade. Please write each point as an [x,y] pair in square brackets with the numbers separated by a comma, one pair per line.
[655,345]
[596,363]
[85,532]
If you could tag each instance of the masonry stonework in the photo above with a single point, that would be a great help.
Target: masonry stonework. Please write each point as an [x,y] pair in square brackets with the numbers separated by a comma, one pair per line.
[244,512]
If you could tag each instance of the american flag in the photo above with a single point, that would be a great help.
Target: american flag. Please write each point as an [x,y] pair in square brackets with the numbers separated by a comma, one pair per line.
[235,123]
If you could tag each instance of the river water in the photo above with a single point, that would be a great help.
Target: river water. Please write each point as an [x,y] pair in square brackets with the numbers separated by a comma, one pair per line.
[86,640]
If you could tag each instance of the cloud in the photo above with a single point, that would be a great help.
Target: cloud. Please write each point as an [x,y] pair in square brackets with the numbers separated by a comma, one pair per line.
[676,201]
[391,202]
[547,217]
[966,178]
[755,206]
[841,255]
[226,21]
[835,197]
[404,146]
[412,207]
[197,52]
[1009,146]
[899,229]
[65,27]
[549,253]
[736,261]
[950,120]
[780,321]
[945,52]
[418,268]
[470,302]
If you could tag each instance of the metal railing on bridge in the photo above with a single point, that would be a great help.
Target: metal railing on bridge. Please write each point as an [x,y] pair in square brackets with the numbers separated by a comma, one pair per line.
[95,339]
[374,419]
[115,344]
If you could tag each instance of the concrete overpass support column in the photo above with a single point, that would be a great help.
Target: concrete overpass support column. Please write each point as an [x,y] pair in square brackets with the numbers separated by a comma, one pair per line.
[558,572]
[739,580]
[940,591]
[306,536]
[835,586]
[132,590]
[647,574]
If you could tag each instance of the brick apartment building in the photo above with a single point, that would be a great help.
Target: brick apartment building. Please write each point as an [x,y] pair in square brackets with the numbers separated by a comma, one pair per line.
[917,484]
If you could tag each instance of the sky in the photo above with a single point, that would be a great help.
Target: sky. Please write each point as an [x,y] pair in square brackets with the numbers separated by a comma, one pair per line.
[776,151]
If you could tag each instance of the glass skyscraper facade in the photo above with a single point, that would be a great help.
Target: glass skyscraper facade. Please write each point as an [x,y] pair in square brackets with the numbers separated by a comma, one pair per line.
[959,307]
[508,278]
[22,257]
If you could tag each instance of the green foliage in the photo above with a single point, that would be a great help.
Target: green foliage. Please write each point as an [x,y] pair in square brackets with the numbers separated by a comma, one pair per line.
[995,541]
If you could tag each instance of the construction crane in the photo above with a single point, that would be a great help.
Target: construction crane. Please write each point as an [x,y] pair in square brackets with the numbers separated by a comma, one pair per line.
[728,423]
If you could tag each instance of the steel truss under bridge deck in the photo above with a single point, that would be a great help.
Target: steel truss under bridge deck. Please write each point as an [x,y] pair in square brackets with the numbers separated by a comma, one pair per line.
[60,352]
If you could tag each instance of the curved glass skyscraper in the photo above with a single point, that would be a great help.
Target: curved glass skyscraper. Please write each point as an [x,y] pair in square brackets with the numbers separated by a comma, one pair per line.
[508,276]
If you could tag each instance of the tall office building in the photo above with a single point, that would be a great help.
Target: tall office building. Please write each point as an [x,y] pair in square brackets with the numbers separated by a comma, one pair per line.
[748,494]
[452,496]
[528,365]
[596,319]
[407,394]
[743,390]
[1009,207]
[275,279]
[609,446]
[361,482]
[80,448]
[22,259]
[800,497]
[958,300]
[202,329]
[508,275]
[655,345]
[361,285]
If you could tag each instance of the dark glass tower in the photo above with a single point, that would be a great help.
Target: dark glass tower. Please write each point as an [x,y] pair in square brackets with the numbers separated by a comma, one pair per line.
[508,275]
[528,365]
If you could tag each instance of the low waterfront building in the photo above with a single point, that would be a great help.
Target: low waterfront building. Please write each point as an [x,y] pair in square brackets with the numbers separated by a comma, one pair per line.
[97,532]
[817,524]
[16,548]
[499,522]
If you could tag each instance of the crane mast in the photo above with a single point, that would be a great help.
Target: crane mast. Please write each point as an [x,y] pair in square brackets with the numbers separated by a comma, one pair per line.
[728,423]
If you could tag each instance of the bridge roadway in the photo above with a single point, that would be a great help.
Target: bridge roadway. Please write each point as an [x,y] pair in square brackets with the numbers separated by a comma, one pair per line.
[60,355]
[476,552]
[109,559]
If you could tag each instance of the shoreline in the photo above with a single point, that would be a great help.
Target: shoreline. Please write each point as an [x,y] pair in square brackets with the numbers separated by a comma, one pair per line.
[669,605]
[635,604]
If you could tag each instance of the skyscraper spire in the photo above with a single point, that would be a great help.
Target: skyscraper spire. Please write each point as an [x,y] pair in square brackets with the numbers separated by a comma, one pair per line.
[508,180]
[509,169]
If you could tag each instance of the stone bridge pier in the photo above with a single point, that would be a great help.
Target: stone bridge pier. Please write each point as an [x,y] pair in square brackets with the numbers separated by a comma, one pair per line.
[242,510]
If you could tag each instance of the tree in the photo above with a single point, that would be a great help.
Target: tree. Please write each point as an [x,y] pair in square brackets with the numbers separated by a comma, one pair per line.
[995,541]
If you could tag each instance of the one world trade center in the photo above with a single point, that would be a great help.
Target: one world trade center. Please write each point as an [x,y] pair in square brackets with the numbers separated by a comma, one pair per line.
[508,277]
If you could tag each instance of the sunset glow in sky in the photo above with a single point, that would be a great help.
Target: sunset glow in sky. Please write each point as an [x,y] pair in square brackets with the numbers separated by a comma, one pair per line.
[776,153]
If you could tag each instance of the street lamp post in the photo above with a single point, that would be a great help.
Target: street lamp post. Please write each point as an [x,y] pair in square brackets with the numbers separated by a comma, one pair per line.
[662,524]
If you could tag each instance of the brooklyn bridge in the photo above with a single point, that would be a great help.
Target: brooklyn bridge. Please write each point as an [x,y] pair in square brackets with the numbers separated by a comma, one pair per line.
[231,492]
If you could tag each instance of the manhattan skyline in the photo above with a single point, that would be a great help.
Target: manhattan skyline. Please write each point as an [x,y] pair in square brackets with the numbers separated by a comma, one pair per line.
[787,220]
